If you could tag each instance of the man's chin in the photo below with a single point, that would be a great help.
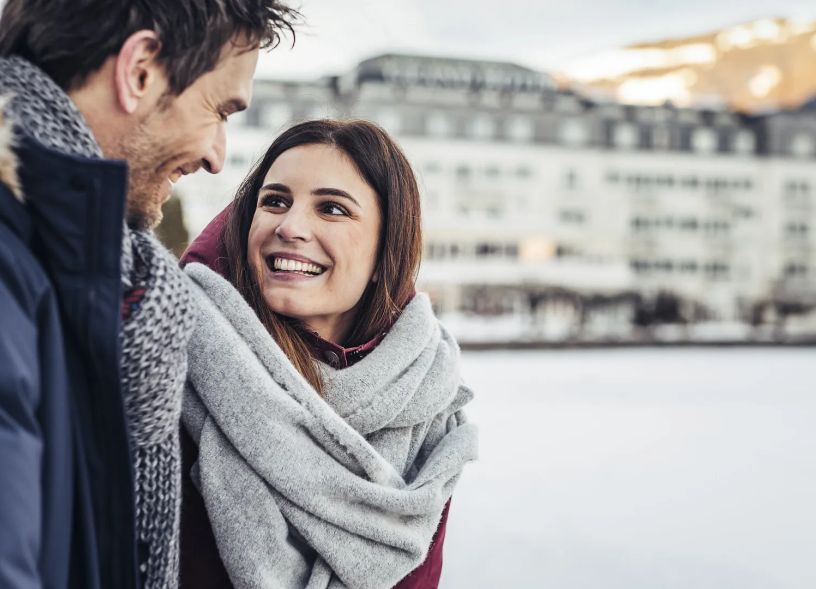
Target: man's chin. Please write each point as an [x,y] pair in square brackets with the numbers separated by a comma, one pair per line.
[145,213]
[144,220]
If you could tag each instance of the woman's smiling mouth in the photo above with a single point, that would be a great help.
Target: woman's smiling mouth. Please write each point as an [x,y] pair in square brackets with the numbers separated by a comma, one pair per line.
[286,264]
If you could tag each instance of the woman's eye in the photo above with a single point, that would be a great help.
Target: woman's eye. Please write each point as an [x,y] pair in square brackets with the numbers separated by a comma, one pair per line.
[332,208]
[271,201]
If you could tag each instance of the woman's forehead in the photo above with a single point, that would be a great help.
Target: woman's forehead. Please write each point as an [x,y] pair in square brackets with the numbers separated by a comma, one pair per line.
[312,166]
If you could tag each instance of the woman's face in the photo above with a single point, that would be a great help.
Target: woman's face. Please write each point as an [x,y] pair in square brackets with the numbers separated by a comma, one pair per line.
[314,238]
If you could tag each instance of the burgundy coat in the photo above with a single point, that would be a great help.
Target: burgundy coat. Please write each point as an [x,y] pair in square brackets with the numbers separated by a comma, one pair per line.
[201,566]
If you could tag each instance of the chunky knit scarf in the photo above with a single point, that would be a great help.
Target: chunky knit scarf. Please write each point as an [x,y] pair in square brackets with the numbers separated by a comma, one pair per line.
[154,332]
[340,491]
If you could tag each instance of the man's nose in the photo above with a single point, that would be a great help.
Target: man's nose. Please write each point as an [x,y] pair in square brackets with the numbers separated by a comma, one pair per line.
[213,160]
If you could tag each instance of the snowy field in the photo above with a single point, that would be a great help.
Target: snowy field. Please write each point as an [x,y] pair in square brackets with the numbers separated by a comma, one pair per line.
[639,469]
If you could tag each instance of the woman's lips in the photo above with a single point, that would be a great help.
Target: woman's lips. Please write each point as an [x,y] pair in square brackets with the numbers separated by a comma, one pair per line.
[291,268]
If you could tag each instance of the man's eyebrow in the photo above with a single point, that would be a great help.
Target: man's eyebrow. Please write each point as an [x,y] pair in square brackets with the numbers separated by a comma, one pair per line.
[234,105]
[277,188]
[334,192]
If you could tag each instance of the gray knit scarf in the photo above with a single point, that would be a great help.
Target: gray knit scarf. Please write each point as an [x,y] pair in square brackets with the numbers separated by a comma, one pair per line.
[341,491]
[154,337]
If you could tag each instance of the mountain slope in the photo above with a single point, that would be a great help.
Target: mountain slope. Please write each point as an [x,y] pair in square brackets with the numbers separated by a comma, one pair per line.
[764,64]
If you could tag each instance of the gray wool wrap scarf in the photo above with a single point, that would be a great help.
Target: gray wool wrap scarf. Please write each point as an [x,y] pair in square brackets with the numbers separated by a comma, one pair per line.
[341,491]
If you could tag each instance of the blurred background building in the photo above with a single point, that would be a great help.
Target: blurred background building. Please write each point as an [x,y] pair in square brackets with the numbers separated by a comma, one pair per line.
[553,211]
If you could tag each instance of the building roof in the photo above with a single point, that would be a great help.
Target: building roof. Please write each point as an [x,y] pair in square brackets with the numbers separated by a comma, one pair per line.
[420,70]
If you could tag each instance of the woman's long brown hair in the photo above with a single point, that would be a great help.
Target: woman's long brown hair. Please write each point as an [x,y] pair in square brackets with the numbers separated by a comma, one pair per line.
[385,168]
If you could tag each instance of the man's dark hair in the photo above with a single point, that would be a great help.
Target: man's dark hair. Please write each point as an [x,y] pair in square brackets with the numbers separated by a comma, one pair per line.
[70,39]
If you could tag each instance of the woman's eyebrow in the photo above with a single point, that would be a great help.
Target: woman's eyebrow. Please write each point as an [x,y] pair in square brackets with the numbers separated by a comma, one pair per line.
[277,188]
[334,192]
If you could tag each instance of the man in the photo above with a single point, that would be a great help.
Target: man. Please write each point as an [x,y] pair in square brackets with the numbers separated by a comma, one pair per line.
[94,315]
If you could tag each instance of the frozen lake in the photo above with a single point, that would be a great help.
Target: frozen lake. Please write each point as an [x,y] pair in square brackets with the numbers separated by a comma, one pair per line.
[639,469]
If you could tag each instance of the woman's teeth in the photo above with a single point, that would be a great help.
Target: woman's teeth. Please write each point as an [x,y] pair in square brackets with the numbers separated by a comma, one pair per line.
[287,265]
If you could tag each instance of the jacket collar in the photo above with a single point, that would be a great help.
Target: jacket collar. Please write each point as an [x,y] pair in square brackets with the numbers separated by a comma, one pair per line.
[76,205]
[336,355]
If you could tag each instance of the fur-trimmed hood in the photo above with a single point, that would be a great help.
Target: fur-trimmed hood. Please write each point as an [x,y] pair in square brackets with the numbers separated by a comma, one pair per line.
[8,160]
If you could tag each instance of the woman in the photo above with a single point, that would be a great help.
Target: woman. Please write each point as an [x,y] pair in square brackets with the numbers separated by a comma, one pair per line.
[326,453]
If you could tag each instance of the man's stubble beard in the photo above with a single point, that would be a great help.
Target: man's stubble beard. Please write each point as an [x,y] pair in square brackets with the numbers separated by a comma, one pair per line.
[145,182]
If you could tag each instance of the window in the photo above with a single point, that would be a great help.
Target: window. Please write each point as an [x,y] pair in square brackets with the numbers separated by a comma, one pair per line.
[484,250]
[716,270]
[744,142]
[572,217]
[645,138]
[524,172]
[640,223]
[520,129]
[463,173]
[796,192]
[439,125]
[797,230]
[436,251]
[795,270]
[704,140]
[566,103]
[661,138]
[573,133]
[432,168]
[802,145]
[482,127]
[688,267]
[624,136]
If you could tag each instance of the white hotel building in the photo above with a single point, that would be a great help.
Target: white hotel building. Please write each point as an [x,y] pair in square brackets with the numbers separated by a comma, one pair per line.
[545,206]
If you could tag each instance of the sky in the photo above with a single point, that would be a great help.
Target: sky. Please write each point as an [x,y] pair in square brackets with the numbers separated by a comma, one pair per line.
[547,35]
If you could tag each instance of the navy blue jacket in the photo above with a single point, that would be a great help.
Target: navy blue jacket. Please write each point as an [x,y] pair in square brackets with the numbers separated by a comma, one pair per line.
[67,508]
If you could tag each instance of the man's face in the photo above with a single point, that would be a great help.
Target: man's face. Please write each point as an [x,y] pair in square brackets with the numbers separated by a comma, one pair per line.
[185,133]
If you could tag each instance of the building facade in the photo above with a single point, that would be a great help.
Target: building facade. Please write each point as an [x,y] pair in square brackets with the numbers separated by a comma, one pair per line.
[562,217]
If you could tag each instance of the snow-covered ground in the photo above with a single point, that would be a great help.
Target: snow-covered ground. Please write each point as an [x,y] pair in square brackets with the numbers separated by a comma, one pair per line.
[639,469]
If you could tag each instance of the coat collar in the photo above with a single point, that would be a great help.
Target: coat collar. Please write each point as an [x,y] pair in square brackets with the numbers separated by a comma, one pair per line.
[77,208]
[336,355]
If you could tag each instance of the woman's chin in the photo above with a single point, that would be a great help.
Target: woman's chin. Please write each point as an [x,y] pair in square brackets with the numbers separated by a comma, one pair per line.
[283,303]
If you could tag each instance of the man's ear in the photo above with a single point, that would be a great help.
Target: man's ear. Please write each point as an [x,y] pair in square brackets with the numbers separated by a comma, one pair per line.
[137,72]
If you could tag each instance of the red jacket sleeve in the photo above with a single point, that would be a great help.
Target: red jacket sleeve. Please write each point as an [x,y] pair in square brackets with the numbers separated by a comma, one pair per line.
[426,575]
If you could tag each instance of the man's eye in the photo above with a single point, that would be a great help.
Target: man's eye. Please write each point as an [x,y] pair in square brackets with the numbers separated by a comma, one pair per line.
[224,117]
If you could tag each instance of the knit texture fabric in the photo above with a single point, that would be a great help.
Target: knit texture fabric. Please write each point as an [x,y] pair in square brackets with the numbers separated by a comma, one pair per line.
[154,366]
[340,491]
[154,338]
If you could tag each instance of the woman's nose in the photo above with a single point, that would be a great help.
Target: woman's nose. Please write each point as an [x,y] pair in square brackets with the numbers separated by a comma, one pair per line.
[294,226]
